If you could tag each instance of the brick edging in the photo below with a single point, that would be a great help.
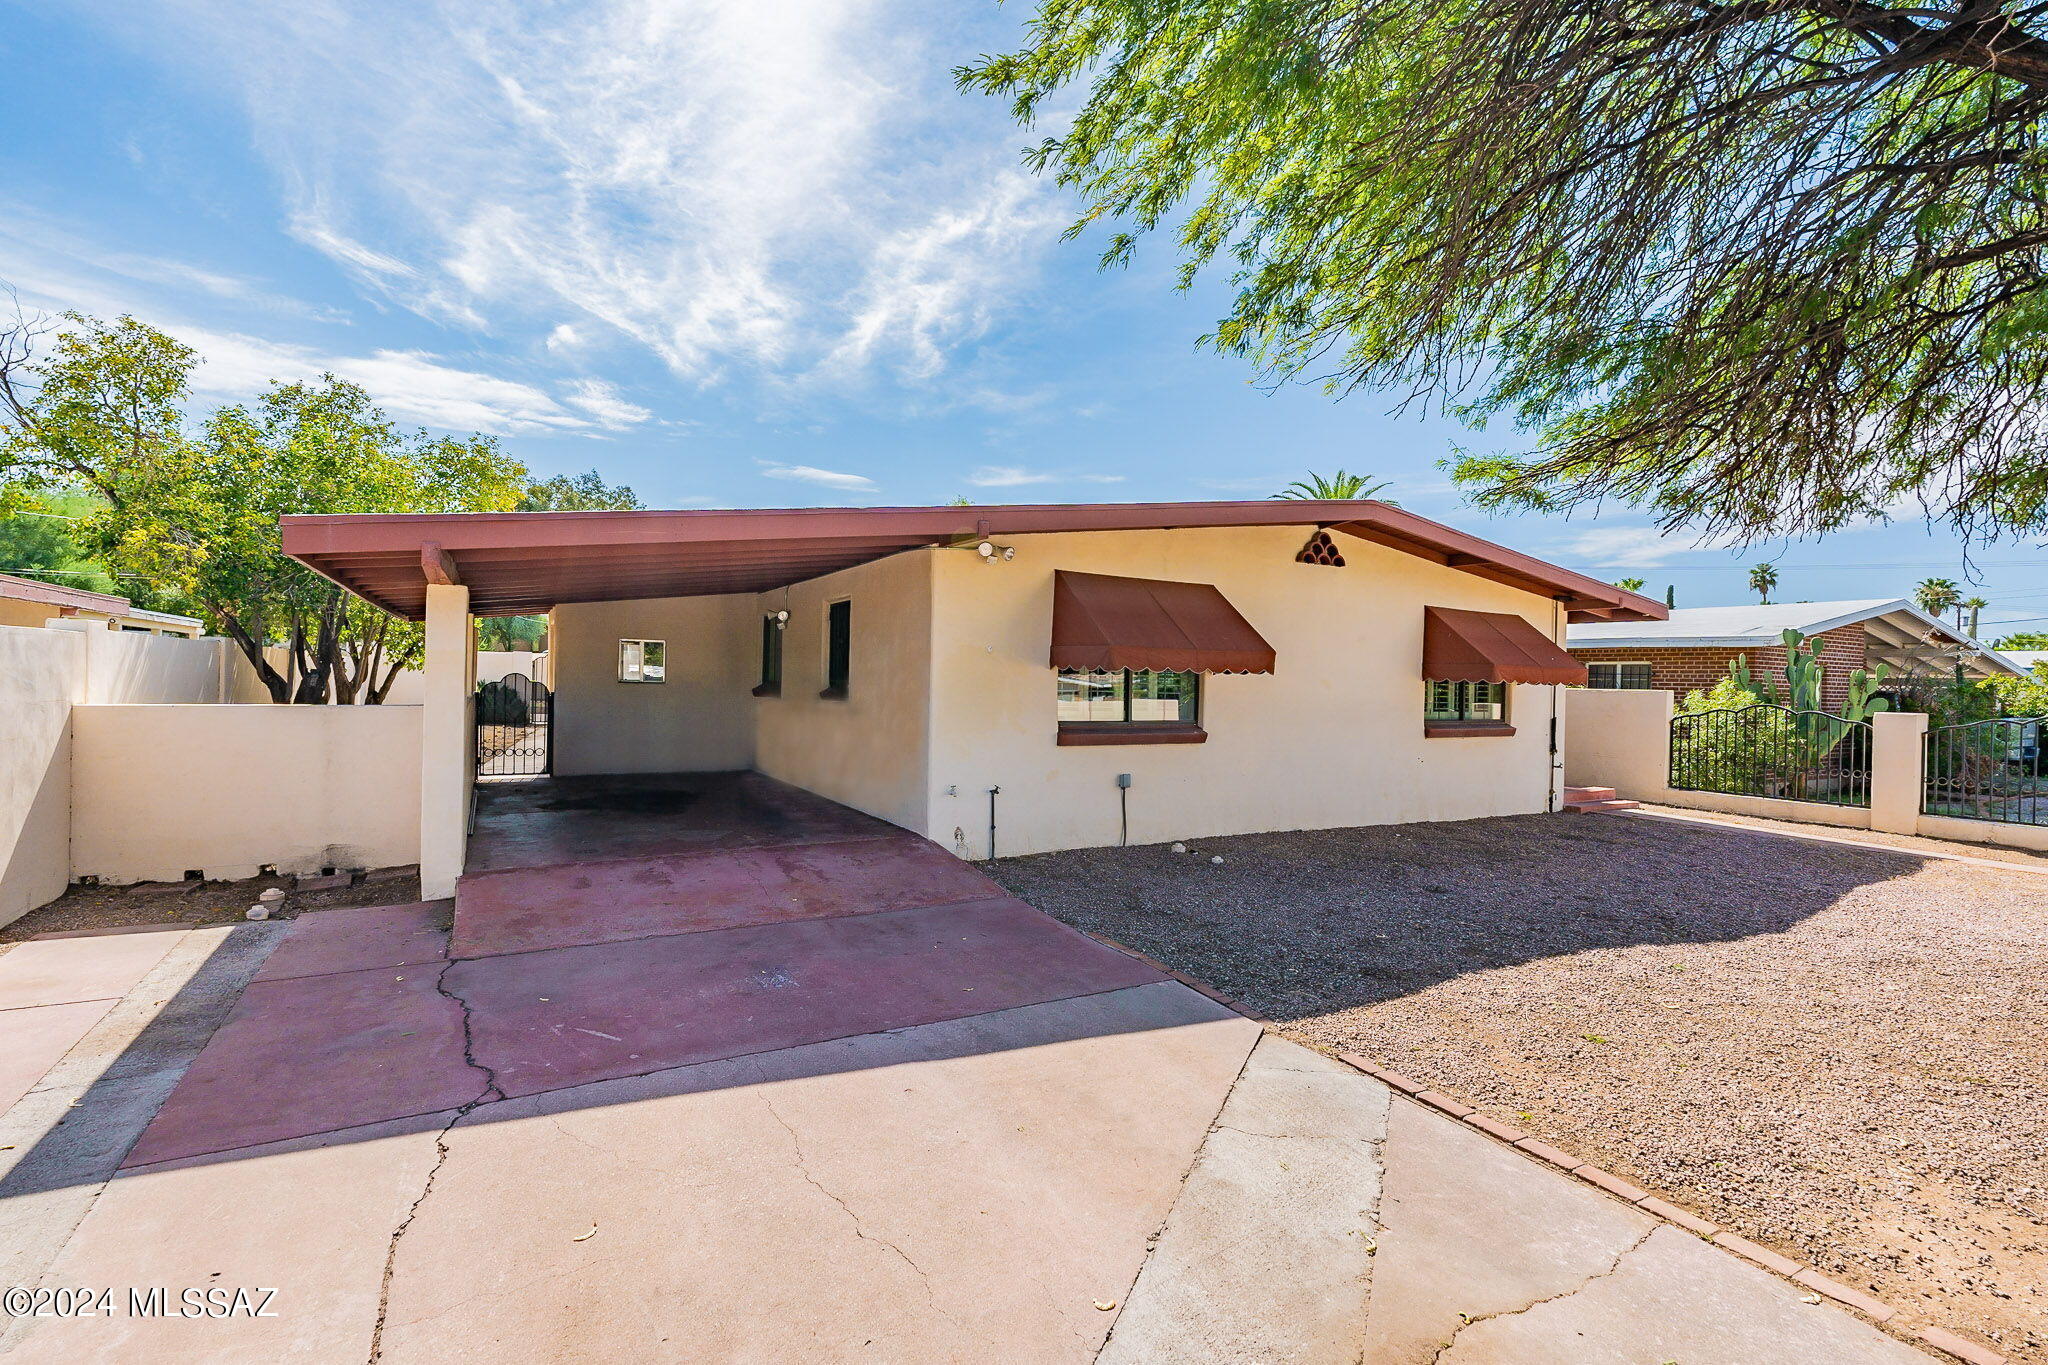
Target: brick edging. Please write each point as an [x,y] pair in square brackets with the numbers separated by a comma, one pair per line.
[1805,1276]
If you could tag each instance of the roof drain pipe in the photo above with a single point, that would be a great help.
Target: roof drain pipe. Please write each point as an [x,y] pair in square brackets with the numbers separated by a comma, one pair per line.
[1550,778]
[993,793]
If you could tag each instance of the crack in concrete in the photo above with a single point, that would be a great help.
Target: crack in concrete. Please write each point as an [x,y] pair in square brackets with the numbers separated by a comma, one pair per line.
[859,1230]
[489,1093]
[1579,1288]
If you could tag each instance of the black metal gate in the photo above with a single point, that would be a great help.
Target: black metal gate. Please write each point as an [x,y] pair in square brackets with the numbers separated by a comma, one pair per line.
[514,730]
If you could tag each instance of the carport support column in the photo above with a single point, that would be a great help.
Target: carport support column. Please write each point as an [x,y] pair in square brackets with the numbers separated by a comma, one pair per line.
[1897,752]
[447,760]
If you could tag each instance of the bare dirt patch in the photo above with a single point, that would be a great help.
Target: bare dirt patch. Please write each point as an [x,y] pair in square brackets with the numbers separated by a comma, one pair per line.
[1837,1051]
[115,907]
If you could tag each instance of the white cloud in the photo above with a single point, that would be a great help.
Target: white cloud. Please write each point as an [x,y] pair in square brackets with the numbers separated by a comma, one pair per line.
[828,478]
[1635,547]
[778,185]
[603,401]
[1015,476]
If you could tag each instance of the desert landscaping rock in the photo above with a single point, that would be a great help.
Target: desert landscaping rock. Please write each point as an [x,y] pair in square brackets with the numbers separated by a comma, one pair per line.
[1831,1050]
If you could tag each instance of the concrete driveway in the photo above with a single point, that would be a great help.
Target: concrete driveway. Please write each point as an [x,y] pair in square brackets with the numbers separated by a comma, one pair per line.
[802,1093]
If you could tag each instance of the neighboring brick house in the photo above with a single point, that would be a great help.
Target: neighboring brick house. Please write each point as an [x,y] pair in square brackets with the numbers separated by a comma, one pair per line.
[1692,650]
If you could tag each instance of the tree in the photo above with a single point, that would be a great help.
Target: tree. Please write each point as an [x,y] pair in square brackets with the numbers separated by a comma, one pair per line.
[1758,268]
[1936,596]
[2025,640]
[582,493]
[206,518]
[1629,584]
[1341,486]
[1762,579]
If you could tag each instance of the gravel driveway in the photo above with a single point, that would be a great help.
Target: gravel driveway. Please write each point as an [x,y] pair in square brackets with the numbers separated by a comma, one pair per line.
[1837,1051]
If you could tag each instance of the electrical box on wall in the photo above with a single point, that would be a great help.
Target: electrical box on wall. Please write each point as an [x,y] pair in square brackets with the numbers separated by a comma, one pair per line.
[1123,779]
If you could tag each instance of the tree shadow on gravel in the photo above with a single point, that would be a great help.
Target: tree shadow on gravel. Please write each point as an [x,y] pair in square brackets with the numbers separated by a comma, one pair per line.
[1311,922]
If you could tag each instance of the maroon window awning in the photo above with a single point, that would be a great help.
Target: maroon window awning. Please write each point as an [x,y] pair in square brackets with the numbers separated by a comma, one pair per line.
[1100,621]
[1491,646]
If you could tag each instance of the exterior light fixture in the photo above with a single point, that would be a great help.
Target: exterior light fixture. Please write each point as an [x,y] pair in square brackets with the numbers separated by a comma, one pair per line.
[782,619]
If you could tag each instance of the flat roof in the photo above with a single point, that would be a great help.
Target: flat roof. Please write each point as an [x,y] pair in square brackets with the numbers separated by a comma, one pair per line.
[58,595]
[1895,621]
[520,562]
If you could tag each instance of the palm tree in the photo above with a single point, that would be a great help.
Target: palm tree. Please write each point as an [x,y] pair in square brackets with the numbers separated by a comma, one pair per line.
[1936,595]
[1629,584]
[1762,578]
[1338,487]
[1973,605]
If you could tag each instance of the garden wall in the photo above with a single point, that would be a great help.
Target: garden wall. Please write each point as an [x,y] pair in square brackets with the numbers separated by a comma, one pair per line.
[160,791]
[1621,739]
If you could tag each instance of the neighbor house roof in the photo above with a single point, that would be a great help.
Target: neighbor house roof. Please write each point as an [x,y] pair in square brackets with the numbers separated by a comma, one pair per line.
[517,562]
[1900,627]
[58,595]
[2026,660]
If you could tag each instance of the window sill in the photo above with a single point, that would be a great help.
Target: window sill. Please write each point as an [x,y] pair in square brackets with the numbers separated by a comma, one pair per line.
[768,690]
[1084,734]
[1465,729]
[833,694]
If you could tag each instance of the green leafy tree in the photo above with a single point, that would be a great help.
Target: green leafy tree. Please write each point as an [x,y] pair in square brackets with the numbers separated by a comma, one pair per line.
[1762,579]
[1629,584]
[585,492]
[1341,486]
[208,520]
[1759,268]
[2025,639]
[1936,596]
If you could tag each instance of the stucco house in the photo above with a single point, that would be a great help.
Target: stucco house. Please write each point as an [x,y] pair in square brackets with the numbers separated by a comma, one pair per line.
[1691,647]
[30,602]
[1006,679]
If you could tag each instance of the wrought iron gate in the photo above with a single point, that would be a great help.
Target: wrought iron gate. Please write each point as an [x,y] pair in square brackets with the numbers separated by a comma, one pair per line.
[514,727]
[1988,770]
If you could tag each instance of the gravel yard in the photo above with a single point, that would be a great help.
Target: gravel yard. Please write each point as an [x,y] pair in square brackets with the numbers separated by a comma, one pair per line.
[114,907]
[1840,1052]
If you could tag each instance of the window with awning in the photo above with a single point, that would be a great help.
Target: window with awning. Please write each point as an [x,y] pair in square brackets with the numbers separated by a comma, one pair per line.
[1491,647]
[1102,622]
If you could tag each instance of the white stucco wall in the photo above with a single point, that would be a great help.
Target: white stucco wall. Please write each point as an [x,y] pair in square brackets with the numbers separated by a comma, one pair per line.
[1334,737]
[700,719]
[162,790]
[870,749]
[41,671]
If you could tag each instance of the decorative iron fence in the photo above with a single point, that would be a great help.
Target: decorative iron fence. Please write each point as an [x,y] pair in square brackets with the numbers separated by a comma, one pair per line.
[514,730]
[1987,770]
[1766,750]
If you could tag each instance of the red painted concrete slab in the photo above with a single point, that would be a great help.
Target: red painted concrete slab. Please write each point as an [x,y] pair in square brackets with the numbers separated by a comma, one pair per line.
[554,907]
[565,1016]
[34,1038]
[315,1054]
[355,939]
[56,971]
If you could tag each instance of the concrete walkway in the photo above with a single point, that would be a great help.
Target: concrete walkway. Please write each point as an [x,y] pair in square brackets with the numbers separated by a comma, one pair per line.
[834,1098]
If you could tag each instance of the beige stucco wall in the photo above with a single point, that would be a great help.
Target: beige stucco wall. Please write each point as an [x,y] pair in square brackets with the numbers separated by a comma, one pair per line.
[161,790]
[870,749]
[1619,738]
[700,719]
[41,671]
[1334,737]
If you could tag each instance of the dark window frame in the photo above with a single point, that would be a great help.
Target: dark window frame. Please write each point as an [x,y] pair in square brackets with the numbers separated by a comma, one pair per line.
[838,649]
[1463,723]
[1647,672]
[771,657]
[1128,731]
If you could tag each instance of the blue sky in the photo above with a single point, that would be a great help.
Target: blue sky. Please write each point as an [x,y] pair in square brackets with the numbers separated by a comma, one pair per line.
[731,252]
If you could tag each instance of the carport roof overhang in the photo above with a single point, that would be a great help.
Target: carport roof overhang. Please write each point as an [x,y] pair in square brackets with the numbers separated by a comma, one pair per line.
[524,562]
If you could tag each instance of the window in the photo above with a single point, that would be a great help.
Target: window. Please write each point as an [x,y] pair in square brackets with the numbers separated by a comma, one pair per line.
[838,648]
[1129,706]
[642,661]
[771,658]
[1628,677]
[1465,707]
